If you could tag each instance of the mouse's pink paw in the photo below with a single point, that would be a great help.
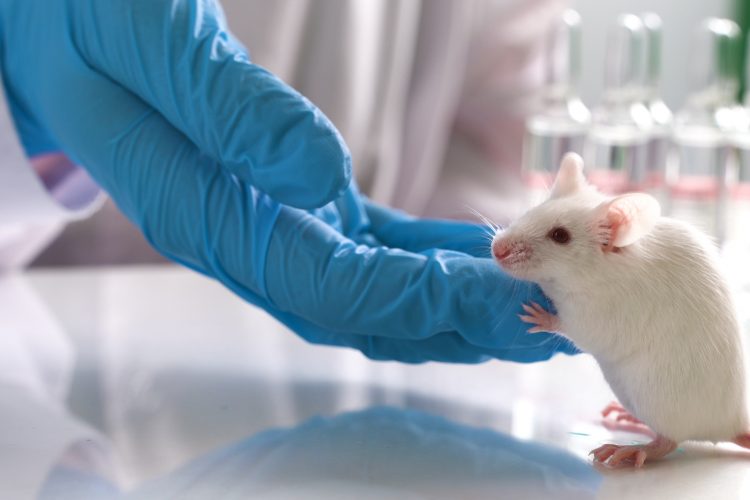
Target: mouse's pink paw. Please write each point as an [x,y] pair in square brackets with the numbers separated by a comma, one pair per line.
[617,456]
[624,421]
[620,413]
[537,315]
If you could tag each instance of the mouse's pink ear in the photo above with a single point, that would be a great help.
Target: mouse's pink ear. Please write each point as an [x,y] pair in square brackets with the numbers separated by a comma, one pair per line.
[626,219]
[570,177]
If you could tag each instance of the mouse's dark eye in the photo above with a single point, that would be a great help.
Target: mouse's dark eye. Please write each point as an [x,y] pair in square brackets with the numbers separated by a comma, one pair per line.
[559,235]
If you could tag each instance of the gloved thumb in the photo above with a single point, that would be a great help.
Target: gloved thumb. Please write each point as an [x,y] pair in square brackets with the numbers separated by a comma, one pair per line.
[180,58]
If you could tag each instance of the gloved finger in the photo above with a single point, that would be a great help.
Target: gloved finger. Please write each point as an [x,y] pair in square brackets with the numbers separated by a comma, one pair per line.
[346,214]
[314,272]
[447,347]
[178,56]
[399,230]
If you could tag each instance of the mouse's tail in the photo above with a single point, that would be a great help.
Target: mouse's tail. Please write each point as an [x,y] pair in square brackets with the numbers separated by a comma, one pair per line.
[743,440]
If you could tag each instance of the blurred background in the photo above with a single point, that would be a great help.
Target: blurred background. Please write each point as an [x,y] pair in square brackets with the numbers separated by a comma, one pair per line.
[503,68]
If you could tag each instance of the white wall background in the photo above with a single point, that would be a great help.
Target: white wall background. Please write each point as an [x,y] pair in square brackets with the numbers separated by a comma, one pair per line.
[680,18]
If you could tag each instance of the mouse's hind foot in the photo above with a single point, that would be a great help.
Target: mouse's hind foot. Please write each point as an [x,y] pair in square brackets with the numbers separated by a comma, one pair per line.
[619,412]
[619,456]
[617,418]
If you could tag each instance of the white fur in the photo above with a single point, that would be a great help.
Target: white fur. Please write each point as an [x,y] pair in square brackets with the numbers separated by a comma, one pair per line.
[656,314]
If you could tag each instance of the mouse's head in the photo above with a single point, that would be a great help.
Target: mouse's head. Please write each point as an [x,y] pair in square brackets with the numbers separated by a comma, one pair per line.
[576,229]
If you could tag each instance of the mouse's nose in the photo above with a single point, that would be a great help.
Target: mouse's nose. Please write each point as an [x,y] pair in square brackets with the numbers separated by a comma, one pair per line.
[501,250]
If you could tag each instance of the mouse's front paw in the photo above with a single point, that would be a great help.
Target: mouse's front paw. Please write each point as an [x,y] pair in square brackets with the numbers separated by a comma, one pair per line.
[537,315]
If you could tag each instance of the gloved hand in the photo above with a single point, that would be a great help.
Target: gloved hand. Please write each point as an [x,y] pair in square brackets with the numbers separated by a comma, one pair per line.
[216,161]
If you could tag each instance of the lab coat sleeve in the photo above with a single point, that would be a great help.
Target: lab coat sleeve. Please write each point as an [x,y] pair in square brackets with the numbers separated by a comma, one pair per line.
[32,214]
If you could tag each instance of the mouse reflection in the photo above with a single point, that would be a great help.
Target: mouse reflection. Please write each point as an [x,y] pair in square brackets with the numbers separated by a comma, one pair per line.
[179,413]
[381,452]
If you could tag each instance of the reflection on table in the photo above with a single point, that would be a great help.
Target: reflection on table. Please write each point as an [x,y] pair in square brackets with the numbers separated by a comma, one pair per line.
[156,383]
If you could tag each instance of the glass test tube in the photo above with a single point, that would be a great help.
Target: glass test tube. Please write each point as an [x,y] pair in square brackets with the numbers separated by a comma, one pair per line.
[703,127]
[559,125]
[737,244]
[617,145]
[661,115]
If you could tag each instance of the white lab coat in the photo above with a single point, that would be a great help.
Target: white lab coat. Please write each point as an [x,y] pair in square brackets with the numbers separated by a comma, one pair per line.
[30,214]
[423,91]
[427,93]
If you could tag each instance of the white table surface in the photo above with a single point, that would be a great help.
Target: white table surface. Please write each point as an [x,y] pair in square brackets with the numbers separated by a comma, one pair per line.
[190,393]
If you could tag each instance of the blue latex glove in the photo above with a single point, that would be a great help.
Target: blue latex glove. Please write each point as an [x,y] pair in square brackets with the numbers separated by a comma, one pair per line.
[209,155]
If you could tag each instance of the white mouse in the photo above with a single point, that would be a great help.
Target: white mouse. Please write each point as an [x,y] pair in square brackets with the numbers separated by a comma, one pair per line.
[644,295]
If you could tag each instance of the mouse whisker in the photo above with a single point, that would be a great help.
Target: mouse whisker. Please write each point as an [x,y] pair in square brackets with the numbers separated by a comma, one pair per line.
[494,228]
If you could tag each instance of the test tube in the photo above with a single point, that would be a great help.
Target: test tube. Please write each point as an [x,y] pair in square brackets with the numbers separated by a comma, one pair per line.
[703,128]
[617,145]
[661,115]
[561,119]
[737,244]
